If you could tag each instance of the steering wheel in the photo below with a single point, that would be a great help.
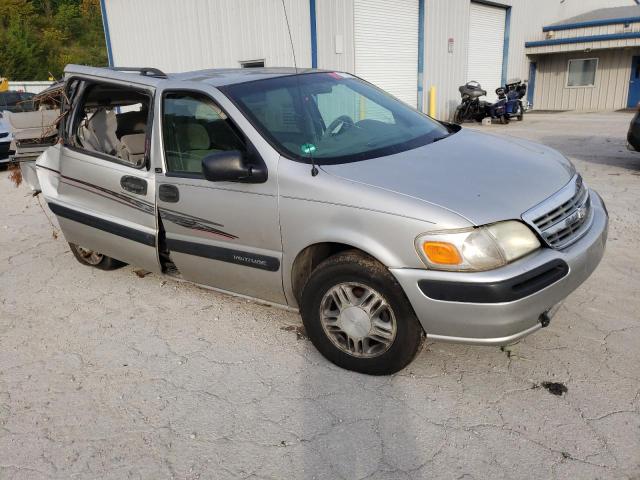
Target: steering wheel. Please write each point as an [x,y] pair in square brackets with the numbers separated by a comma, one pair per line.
[342,119]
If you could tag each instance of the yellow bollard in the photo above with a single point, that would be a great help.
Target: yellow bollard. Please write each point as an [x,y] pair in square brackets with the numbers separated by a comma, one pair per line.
[432,102]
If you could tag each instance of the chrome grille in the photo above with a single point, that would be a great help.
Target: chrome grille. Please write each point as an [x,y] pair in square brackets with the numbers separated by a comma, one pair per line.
[564,217]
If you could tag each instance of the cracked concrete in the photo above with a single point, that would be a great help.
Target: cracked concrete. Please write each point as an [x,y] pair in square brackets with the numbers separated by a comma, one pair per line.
[109,375]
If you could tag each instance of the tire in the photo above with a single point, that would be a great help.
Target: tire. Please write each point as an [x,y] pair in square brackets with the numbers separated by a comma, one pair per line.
[355,273]
[458,117]
[520,115]
[94,259]
[504,119]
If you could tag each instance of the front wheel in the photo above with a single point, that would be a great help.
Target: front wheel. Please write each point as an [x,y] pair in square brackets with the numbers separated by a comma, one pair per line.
[94,259]
[358,317]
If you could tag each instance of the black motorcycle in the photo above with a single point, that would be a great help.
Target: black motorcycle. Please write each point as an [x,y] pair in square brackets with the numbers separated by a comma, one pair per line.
[471,107]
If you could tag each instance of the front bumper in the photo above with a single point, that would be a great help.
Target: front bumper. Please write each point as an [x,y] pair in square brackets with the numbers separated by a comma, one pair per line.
[480,321]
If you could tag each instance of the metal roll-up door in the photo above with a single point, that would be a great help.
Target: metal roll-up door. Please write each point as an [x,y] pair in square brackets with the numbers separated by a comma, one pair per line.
[386,45]
[486,46]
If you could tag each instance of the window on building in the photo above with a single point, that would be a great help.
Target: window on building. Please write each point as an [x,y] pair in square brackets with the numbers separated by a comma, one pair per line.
[582,72]
[253,64]
[193,126]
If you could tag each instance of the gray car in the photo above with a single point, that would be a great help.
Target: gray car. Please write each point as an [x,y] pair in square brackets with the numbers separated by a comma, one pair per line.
[316,191]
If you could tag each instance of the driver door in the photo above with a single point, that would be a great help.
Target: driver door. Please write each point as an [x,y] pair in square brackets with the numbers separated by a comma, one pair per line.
[221,234]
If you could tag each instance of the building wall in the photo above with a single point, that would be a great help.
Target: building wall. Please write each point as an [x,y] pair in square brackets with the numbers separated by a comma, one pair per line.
[196,34]
[31,87]
[199,34]
[334,18]
[446,19]
[587,32]
[611,87]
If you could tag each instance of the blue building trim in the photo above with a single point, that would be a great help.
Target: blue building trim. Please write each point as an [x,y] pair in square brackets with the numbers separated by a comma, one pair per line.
[314,34]
[591,23]
[505,47]
[421,55]
[107,36]
[589,38]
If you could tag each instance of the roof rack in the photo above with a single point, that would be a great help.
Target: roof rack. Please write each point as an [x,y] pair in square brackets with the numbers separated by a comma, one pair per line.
[145,71]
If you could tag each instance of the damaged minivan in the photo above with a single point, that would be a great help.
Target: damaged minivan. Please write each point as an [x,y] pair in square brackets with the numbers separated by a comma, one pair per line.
[317,191]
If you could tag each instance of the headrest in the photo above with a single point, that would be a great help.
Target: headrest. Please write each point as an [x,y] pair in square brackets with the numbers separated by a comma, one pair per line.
[194,136]
[134,143]
[131,122]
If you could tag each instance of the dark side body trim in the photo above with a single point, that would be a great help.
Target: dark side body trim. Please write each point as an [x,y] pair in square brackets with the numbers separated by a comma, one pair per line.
[508,290]
[253,260]
[104,225]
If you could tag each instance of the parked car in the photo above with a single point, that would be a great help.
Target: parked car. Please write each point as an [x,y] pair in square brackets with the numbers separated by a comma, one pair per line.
[317,191]
[5,140]
[35,131]
[13,101]
[633,135]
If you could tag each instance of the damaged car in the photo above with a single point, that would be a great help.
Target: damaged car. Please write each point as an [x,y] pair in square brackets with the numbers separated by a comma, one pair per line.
[316,191]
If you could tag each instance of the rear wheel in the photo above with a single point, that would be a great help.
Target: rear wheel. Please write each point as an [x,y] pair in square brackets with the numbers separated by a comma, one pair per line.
[94,259]
[520,115]
[358,317]
[458,116]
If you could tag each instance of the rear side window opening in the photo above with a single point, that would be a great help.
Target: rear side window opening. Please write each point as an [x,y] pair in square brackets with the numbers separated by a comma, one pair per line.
[111,122]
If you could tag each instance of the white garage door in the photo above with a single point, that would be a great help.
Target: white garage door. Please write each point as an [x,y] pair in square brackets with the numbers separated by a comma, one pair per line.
[386,45]
[486,45]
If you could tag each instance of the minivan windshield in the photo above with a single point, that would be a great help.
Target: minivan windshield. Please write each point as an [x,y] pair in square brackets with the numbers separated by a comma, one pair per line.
[334,117]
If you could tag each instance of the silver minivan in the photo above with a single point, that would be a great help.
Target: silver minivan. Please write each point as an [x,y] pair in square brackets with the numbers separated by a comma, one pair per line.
[319,192]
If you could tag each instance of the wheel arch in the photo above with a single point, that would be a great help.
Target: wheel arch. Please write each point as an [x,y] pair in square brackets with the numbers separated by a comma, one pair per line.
[311,256]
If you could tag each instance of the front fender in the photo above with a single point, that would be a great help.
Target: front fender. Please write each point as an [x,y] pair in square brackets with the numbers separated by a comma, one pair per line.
[386,237]
[327,208]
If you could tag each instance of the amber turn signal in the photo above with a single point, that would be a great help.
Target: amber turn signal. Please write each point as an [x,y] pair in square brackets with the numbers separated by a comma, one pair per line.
[442,253]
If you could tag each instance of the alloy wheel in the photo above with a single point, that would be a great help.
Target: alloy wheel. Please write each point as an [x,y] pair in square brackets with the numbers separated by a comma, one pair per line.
[358,320]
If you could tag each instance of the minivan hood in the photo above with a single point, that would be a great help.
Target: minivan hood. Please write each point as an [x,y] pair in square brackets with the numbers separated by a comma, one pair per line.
[484,178]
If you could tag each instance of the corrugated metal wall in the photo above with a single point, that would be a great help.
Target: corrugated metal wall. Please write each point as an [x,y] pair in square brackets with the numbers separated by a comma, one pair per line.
[446,71]
[334,20]
[446,19]
[586,32]
[609,92]
[197,34]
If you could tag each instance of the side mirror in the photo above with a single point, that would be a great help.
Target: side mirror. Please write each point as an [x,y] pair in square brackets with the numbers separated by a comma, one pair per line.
[232,166]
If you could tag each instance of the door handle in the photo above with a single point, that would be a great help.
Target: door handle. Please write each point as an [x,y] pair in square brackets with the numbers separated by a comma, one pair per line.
[168,193]
[134,185]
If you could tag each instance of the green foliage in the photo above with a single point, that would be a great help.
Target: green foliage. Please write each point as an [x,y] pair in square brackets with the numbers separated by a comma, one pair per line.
[39,37]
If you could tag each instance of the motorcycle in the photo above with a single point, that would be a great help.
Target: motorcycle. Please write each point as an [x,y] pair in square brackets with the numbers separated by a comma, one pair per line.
[471,107]
[509,104]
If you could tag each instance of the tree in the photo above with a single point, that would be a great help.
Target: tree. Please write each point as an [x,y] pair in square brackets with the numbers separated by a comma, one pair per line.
[39,37]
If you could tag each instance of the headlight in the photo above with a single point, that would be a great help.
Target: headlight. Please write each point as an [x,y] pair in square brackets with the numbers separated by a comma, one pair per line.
[476,248]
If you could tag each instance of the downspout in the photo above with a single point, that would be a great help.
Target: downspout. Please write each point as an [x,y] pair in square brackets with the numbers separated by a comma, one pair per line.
[421,55]
[505,47]
[107,36]
[314,34]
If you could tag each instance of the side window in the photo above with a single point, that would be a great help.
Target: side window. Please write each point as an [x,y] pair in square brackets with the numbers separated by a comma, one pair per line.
[111,121]
[193,126]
